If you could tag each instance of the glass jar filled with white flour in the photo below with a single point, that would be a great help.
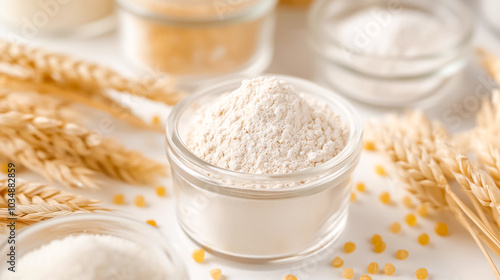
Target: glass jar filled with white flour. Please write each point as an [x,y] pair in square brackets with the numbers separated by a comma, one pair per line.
[91,246]
[32,18]
[262,167]
[390,53]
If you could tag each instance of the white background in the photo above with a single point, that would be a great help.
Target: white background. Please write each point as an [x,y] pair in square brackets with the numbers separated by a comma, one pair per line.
[455,257]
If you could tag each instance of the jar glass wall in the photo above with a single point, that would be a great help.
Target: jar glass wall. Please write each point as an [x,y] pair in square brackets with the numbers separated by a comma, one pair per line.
[224,212]
[75,18]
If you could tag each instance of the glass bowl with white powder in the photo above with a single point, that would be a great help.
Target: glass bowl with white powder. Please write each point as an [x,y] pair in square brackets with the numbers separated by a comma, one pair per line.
[262,167]
[91,246]
[391,53]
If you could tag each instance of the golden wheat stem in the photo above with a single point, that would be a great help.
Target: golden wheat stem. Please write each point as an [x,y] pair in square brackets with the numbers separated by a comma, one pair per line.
[480,244]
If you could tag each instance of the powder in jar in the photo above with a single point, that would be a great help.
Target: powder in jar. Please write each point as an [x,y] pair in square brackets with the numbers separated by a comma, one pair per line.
[86,256]
[192,38]
[266,127]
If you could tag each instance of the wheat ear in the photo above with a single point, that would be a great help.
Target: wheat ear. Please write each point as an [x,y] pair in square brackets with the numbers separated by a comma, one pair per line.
[27,193]
[39,161]
[35,202]
[89,148]
[100,102]
[68,72]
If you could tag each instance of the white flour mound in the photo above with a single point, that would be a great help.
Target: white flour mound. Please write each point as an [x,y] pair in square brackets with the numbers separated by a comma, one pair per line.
[266,127]
[85,257]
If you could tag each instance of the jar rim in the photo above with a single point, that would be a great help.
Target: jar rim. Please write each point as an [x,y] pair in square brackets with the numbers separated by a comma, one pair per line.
[459,10]
[250,12]
[333,167]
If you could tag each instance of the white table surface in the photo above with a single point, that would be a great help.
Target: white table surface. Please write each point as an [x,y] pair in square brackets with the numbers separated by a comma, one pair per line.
[455,257]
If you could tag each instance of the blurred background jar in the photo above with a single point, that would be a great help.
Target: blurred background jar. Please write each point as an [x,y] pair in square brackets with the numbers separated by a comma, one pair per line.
[490,10]
[198,40]
[391,53]
[31,18]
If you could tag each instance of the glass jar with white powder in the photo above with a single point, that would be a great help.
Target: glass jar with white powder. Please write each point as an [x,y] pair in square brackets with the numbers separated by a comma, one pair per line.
[391,53]
[91,246]
[74,18]
[263,217]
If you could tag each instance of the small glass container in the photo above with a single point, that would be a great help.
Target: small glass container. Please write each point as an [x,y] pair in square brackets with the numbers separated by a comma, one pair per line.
[146,236]
[75,18]
[260,225]
[198,40]
[390,53]
[489,12]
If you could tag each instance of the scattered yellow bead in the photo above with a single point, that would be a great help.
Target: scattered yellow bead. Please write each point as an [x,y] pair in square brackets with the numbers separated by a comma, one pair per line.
[348,273]
[119,199]
[385,198]
[423,239]
[411,220]
[376,238]
[380,170]
[216,273]
[402,254]
[151,222]
[140,201]
[349,247]
[365,277]
[379,247]
[395,227]
[408,202]
[353,196]
[161,191]
[198,255]
[156,120]
[372,268]
[4,168]
[369,145]
[421,274]
[389,269]
[441,229]
[337,262]
[289,277]
[422,211]
[360,187]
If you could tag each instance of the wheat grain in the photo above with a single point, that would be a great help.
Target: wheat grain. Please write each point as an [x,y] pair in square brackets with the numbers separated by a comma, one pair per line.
[88,148]
[62,70]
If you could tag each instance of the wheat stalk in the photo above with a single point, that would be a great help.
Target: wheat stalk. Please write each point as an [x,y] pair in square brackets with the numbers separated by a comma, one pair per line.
[62,70]
[89,148]
[52,168]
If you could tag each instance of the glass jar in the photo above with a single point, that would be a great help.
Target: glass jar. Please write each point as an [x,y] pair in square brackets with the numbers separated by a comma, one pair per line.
[144,235]
[489,12]
[198,40]
[260,225]
[31,18]
[390,53]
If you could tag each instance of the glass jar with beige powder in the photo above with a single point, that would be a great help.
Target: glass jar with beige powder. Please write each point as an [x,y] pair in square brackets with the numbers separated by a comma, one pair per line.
[261,218]
[197,40]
